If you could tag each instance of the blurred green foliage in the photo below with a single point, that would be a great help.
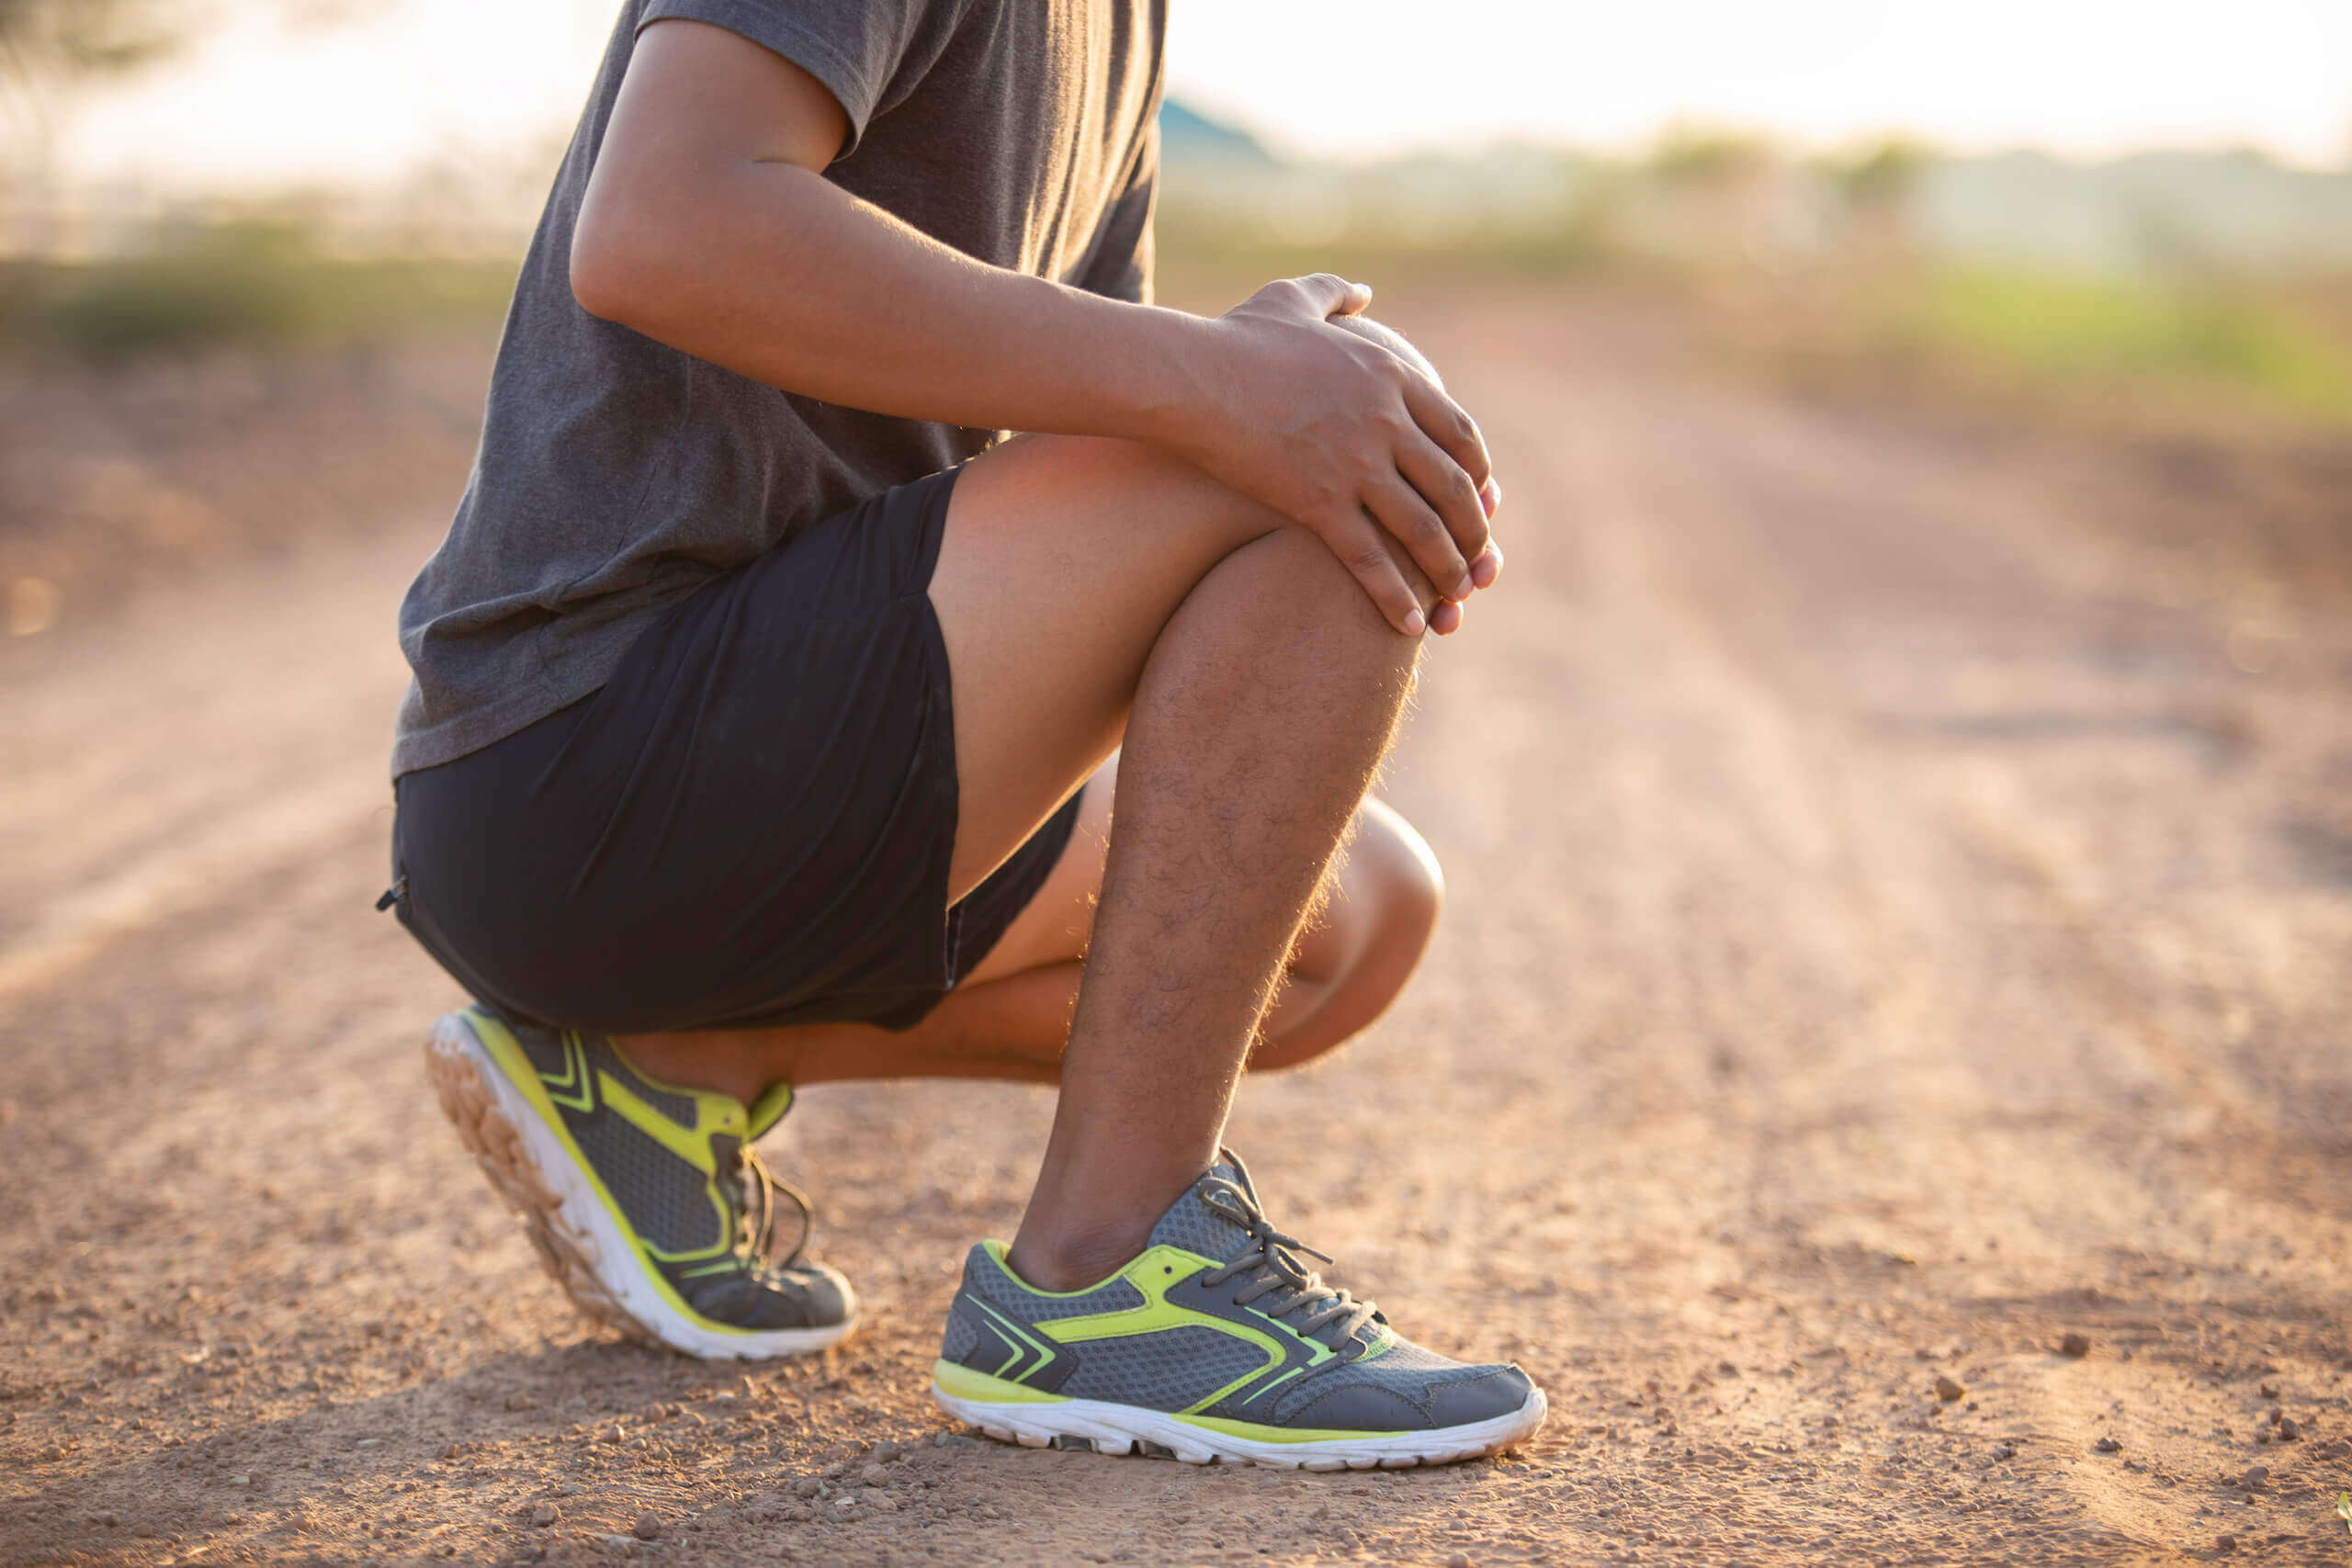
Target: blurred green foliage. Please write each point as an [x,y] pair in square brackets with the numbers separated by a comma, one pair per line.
[1881,174]
[253,283]
[2096,332]
[1702,155]
[270,283]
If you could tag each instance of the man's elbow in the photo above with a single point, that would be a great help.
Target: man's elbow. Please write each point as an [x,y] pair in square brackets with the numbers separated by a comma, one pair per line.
[611,266]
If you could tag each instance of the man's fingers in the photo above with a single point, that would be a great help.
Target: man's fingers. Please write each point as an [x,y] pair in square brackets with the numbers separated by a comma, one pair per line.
[1442,419]
[1449,491]
[1371,557]
[1331,294]
[1414,524]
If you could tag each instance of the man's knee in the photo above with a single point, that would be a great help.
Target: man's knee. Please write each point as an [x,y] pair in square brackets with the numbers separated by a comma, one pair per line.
[1316,589]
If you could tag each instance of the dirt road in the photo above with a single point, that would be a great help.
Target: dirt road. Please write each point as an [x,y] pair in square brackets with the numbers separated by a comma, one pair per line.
[1899,920]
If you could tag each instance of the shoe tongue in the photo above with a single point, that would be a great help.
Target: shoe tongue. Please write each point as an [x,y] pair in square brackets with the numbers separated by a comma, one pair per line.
[1194,1226]
[767,1111]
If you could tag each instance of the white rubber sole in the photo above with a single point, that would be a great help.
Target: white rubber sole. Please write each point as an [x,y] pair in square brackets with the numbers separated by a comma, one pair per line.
[1124,1428]
[573,1233]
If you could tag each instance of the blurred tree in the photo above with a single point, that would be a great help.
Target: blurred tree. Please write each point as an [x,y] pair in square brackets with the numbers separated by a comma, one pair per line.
[1702,155]
[48,41]
[1875,183]
[1880,175]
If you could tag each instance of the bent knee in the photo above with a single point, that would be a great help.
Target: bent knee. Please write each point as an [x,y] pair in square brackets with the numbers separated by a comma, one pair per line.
[1412,882]
[1315,587]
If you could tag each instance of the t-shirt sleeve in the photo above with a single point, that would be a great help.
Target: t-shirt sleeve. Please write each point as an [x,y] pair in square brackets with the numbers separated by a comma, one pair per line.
[1120,266]
[858,48]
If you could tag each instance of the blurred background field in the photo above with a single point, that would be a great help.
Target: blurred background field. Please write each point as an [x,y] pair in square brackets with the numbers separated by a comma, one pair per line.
[180,354]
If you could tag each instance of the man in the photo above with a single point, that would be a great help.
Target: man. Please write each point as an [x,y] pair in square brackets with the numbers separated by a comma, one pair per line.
[763,728]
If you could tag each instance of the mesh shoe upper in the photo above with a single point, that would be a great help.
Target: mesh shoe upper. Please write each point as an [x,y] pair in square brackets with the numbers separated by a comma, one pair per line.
[678,1167]
[1219,1318]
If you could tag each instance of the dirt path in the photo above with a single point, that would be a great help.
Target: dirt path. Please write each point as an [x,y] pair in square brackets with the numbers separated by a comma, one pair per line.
[1884,939]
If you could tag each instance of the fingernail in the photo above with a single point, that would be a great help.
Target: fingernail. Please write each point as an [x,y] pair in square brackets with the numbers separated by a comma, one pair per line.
[1491,495]
[1415,624]
[1483,569]
[1466,587]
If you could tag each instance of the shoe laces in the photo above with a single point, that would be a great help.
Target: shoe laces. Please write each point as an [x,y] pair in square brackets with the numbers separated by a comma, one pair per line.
[1273,1272]
[755,1189]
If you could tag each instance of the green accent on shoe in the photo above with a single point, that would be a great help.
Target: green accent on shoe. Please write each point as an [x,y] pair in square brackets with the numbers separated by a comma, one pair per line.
[1257,1432]
[965,1384]
[1021,1343]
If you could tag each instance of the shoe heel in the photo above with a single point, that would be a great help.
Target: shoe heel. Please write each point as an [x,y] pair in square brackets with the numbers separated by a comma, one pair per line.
[460,1071]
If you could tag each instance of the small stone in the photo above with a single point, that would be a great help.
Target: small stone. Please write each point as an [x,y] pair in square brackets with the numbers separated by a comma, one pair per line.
[545,1514]
[875,1475]
[618,1546]
[883,1501]
[2109,1446]
[2289,1429]
[453,1451]
[2227,1543]
[109,1519]
[808,1487]
[2270,1391]
[1727,1369]
[1948,1388]
[2075,1345]
[241,1481]
[648,1526]
[941,1439]
[885,1452]
[1459,1560]
[800,1513]
[2258,1478]
[518,1400]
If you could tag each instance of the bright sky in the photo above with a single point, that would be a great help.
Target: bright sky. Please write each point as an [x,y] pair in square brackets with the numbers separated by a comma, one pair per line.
[257,106]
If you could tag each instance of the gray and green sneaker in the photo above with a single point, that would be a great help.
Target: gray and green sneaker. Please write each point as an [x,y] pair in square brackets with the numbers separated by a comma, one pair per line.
[1216,1343]
[645,1200]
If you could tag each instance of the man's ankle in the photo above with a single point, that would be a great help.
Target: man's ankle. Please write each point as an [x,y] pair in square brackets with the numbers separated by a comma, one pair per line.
[1076,1259]
[708,1063]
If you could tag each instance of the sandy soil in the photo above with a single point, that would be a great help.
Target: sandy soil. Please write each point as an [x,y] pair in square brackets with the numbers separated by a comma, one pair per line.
[1899,924]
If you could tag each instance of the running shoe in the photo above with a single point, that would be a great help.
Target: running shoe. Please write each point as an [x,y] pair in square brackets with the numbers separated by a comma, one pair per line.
[645,1200]
[1217,1343]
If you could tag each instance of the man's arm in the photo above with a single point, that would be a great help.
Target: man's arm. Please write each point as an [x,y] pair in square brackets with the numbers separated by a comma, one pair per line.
[709,225]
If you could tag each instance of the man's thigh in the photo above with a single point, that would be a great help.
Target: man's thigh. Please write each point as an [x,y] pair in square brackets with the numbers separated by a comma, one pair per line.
[1062,559]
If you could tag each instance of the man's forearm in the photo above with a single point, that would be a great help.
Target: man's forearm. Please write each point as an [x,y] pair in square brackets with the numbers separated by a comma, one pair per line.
[778,274]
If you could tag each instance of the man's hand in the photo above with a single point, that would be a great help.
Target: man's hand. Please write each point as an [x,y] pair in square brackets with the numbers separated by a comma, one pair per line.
[1347,438]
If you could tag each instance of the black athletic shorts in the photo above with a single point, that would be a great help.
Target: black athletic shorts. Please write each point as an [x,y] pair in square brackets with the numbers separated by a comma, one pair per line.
[749,824]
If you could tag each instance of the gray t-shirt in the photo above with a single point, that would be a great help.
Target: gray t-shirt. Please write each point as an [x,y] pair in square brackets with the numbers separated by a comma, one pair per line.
[616,475]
